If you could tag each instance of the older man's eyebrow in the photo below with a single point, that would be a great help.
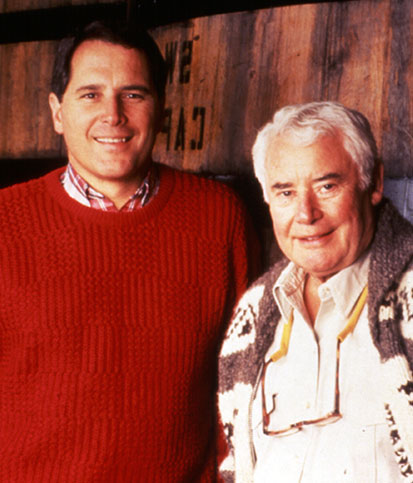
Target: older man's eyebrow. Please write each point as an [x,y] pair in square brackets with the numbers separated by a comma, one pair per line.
[328,176]
[281,186]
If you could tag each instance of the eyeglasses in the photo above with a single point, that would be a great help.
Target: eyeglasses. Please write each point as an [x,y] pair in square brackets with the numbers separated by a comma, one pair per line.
[332,416]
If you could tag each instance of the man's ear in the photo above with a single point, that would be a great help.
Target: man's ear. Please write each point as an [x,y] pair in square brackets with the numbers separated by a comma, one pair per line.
[56,109]
[377,188]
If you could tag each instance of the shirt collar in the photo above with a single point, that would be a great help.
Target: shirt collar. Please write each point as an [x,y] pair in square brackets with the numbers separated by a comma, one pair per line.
[344,287]
[78,188]
[288,290]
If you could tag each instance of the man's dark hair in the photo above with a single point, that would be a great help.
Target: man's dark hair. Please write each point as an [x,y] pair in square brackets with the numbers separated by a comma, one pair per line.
[115,33]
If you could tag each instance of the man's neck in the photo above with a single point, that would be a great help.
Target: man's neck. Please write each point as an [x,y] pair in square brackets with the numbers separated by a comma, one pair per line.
[311,297]
[118,192]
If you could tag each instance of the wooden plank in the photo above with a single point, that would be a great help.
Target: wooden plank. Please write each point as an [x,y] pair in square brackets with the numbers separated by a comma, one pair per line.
[229,73]
[253,63]
[396,129]
[149,12]
[250,64]
[26,125]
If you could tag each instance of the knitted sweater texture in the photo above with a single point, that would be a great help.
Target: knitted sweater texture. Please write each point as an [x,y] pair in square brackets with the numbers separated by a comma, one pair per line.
[390,312]
[109,325]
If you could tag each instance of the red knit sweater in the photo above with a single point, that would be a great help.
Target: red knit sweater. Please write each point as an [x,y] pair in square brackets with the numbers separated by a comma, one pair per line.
[109,325]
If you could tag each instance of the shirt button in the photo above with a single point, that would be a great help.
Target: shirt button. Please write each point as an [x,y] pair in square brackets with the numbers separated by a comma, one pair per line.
[324,293]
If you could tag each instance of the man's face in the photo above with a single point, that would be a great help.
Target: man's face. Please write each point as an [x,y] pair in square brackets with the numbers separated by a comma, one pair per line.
[109,114]
[321,218]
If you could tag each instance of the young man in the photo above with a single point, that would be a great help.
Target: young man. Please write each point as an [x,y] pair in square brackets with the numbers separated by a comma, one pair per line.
[117,278]
[315,375]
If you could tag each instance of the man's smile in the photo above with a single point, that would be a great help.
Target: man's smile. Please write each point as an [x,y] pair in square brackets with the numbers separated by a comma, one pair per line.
[112,140]
[314,238]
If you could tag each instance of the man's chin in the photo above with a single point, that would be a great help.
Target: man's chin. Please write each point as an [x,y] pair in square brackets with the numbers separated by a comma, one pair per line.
[320,269]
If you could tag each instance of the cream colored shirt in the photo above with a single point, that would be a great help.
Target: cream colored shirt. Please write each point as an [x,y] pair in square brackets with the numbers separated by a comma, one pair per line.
[354,449]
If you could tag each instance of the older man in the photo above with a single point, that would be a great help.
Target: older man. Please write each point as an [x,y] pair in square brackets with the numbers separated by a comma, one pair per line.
[315,369]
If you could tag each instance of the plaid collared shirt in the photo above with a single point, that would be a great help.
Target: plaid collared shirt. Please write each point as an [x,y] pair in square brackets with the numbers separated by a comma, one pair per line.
[78,189]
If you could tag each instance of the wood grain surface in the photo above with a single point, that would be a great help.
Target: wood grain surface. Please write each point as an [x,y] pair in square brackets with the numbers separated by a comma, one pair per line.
[229,73]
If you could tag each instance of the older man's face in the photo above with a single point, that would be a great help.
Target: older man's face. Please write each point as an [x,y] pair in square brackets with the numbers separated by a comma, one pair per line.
[321,218]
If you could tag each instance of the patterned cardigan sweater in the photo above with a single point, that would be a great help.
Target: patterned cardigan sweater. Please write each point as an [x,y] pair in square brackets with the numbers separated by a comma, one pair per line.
[390,312]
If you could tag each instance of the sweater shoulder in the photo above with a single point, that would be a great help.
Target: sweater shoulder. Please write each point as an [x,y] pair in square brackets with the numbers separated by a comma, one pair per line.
[19,202]
[24,208]
[20,191]
[208,203]
[253,309]
[268,278]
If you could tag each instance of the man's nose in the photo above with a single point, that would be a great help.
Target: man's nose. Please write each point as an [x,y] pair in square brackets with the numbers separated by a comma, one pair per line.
[112,111]
[308,209]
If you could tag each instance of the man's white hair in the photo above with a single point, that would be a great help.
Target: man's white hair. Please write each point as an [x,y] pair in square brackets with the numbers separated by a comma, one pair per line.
[305,123]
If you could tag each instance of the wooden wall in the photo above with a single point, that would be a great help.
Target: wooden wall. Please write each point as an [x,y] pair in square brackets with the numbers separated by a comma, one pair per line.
[230,72]
[246,65]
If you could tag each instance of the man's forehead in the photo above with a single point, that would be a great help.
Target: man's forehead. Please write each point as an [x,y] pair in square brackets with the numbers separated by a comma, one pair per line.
[99,47]
[305,137]
[92,57]
[286,144]
[322,159]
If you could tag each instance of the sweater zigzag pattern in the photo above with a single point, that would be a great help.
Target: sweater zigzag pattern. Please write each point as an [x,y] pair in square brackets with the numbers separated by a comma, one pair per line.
[390,312]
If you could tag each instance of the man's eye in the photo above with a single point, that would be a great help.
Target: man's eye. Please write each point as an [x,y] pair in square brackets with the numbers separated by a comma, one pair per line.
[89,95]
[328,187]
[286,194]
[133,95]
